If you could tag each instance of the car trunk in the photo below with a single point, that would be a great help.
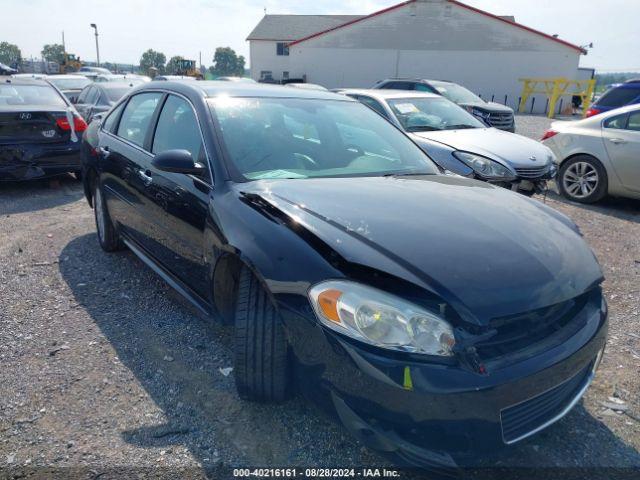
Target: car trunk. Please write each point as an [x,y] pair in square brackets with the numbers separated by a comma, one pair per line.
[32,126]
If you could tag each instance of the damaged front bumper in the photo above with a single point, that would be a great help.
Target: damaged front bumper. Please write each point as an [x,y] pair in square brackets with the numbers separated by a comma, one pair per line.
[442,415]
[31,161]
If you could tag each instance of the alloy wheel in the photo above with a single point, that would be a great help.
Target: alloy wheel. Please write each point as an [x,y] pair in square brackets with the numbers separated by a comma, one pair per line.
[580,180]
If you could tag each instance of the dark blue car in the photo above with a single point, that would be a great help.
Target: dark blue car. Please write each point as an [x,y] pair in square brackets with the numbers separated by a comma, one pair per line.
[627,93]
[434,315]
[40,131]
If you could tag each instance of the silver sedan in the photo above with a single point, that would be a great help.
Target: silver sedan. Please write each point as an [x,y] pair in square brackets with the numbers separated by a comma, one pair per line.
[598,156]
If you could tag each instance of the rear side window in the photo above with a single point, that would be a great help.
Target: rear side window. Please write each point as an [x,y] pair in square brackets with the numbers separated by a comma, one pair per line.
[619,96]
[110,122]
[619,122]
[137,116]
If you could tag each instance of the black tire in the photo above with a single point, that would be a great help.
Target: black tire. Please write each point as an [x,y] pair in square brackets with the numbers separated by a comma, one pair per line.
[588,170]
[107,235]
[261,365]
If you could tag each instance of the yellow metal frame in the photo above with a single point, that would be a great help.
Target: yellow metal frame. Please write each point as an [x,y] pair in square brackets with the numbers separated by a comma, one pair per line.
[554,88]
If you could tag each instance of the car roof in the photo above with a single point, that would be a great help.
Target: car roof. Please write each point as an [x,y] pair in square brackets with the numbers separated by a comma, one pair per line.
[212,89]
[389,94]
[23,80]
[67,75]
[112,85]
[421,80]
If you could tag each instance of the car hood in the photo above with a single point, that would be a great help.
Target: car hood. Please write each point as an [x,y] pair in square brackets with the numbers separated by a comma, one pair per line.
[486,251]
[508,148]
[492,107]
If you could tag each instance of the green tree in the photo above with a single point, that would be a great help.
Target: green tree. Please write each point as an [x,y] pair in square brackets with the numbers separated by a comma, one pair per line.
[53,52]
[173,66]
[226,62]
[9,53]
[150,59]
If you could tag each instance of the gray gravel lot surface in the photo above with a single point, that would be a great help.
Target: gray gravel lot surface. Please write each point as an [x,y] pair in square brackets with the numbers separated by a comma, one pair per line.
[106,369]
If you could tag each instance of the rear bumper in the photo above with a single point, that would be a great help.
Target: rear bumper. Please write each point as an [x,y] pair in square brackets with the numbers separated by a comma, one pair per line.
[31,161]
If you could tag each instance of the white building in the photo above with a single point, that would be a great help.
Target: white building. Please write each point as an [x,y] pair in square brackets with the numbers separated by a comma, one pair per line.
[437,39]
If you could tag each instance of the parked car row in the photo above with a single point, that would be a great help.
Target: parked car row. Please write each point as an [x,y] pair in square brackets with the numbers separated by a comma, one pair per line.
[435,316]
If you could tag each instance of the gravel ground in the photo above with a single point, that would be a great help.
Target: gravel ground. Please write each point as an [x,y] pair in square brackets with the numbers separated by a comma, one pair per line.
[106,369]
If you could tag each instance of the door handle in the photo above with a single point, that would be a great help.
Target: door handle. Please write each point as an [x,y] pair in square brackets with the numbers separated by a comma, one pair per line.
[146,179]
[104,151]
[617,140]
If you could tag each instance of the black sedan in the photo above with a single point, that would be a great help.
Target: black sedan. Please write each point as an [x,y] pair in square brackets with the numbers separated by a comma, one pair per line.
[98,98]
[435,316]
[40,130]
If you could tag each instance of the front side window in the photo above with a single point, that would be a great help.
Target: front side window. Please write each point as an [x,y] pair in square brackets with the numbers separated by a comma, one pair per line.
[303,138]
[137,116]
[282,49]
[92,96]
[422,114]
[456,93]
[634,122]
[178,129]
[371,103]
[399,86]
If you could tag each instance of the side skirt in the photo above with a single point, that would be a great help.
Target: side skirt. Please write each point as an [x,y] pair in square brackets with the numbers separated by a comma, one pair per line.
[176,284]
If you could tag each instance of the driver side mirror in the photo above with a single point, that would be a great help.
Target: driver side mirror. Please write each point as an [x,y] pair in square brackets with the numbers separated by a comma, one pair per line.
[177,161]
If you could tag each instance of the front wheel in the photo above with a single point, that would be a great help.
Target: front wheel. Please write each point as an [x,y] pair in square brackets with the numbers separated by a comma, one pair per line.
[261,363]
[107,235]
[582,179]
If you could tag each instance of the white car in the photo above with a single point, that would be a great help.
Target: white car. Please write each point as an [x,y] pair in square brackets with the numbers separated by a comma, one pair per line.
[599,155]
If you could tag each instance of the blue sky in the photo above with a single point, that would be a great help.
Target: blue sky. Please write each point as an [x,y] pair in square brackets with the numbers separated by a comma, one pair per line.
[187,27]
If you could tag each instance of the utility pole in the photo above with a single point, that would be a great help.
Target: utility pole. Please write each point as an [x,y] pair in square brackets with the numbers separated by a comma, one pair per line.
[95,28]
[64,47]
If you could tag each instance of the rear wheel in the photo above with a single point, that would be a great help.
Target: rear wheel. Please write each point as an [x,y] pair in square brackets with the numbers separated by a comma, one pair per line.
[107,235]
[582,179]
[261,360]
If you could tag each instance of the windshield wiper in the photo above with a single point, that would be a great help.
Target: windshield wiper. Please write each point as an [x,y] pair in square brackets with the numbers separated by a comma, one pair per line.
[423,128]
[459,127]
[407,174]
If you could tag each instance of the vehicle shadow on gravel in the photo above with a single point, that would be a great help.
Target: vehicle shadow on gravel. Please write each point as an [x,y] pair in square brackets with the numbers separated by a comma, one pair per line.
[622,208]
[31,195]
[179,358]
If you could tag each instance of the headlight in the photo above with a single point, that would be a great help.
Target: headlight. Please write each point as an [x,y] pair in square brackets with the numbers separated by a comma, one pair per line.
[381,319]
[484,167]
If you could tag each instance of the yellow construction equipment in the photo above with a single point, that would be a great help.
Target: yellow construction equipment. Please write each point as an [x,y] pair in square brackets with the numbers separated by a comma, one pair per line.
[70,63]
[554,88]
[188,68]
